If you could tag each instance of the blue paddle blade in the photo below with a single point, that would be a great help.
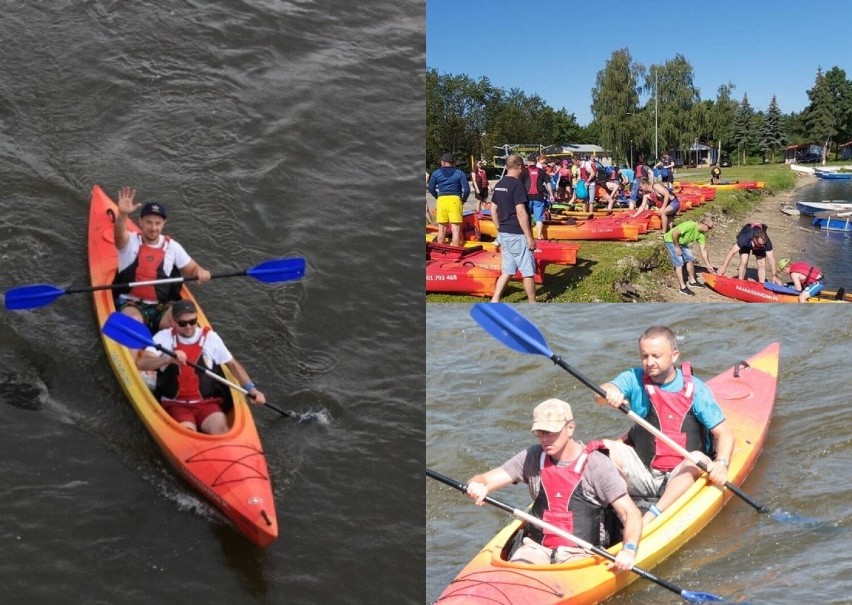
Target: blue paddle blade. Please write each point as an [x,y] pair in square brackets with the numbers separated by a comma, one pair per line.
[703,597]
[278,270]
[31,297]
[510,327]
[127,331]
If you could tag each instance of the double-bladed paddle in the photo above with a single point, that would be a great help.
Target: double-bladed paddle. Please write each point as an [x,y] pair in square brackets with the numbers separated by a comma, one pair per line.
[688,595]
[39,295]
[133,334]
[515,331]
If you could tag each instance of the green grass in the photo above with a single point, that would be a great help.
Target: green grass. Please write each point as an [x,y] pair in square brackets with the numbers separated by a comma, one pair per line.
[604,270]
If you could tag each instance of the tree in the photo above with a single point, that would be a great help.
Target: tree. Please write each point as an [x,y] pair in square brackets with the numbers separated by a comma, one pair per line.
[722,116]
[819,116]
[742,130]
[772,137]
[841,95]
[615,100]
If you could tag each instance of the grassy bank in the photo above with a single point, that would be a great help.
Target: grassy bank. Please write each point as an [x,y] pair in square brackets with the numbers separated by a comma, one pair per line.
[632,271]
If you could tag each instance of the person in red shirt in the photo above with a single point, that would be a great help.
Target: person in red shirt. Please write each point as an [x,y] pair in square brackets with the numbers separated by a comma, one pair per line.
[808,280]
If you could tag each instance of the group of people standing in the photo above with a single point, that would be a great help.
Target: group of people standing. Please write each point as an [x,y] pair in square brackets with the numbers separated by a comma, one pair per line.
[594,491]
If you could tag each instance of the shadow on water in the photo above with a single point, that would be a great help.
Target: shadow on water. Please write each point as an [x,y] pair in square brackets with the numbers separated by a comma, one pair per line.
[248,561]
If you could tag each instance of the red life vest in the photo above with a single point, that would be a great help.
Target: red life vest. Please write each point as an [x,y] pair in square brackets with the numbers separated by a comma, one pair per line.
[148,266]
[188,380]
[640,171]
[481,179]
[812,274]
[533,172]
[564,176]
[560,504]
[672,414]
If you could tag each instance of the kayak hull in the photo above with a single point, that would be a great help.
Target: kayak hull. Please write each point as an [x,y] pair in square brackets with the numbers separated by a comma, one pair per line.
[581,230]
[230,470]
[751,291]
[746,393]
[458,277]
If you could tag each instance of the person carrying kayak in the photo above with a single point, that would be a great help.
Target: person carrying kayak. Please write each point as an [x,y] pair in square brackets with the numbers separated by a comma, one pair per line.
[571,485]
[188,394]
[677,242]
[149,255]
[682,407]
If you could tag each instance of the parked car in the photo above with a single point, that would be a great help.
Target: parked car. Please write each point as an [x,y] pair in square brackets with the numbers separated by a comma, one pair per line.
[810,158]
[725,162]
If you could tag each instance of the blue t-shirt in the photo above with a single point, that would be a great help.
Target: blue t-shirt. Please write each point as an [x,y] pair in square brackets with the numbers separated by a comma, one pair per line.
[447,180]
[704,405]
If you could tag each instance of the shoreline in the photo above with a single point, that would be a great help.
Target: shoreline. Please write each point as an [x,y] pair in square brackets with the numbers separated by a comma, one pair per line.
[783,230]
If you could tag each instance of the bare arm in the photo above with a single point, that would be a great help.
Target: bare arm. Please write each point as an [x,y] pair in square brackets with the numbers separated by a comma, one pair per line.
[480,486]
[706,257]
[724,440]
[524,219]
[721,270]
[126,205]
[631,518]
[243,378]
[194,270]
[614,396]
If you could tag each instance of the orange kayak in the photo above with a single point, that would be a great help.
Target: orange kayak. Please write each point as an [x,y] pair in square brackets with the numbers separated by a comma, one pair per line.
[560,253]
[581,230]
[230,469]
[460,277]
[746,393]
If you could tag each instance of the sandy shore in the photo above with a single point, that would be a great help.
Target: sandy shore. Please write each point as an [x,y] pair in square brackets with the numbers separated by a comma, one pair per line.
[784,231]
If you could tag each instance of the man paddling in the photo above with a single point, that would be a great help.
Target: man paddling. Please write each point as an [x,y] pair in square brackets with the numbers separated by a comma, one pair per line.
[146,256]
[682,407]
[571,484]
[189,395]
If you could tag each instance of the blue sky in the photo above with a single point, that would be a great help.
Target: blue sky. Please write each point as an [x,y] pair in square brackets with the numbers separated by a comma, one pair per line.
[550,48]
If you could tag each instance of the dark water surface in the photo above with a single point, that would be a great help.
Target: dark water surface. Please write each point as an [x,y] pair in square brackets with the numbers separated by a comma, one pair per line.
[829,250]
[479,401]
[268,129]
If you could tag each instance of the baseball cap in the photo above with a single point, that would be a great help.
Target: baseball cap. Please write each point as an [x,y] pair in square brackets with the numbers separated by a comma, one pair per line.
[551,416]
[783,263]
[183,307]
[448,157]
[155,208]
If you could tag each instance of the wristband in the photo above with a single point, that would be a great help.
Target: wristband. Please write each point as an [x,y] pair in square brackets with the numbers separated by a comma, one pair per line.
[249,386]
[655,511]
[629,546]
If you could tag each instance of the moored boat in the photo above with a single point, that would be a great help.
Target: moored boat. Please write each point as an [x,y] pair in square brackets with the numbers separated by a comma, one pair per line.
[746,393]
[811,208]
[833,176]
[230,469]
[836,222]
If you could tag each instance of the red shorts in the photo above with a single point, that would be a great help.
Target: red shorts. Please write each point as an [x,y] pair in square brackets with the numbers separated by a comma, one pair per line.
[196,413]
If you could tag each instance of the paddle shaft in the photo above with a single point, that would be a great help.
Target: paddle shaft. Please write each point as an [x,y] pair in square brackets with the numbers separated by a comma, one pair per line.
[544,525]
[153,282]
[656,432]
[222,379]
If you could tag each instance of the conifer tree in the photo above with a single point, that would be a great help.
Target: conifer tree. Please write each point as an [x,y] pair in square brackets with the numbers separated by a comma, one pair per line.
[742,132]
[772,137]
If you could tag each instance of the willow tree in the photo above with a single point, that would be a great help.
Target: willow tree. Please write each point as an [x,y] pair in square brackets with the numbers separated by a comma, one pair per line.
[615,100]
[672,86]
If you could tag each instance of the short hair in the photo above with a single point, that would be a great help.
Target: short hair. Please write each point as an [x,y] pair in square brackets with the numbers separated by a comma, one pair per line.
[514,161]
[759,234]
[644,181]
[660,332]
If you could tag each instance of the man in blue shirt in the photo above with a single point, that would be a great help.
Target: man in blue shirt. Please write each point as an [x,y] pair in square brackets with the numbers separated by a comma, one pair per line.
[449,186]
[683,408]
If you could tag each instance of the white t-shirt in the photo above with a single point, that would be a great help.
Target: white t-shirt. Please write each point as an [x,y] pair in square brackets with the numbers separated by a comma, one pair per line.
[214,351]
[175,254]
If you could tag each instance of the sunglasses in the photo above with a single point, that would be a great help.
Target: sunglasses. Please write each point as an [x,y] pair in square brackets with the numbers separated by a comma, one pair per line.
[187,322]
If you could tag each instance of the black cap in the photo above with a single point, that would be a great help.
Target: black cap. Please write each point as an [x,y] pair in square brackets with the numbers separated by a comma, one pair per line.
[183,307]
[448,158]
[155,208]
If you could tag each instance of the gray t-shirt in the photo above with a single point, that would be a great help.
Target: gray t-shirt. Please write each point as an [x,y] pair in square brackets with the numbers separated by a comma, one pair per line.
[601,484]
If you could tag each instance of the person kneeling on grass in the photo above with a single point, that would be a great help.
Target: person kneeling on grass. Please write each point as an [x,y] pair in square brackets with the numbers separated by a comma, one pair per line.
[189,395]
[677,243]
[808,280]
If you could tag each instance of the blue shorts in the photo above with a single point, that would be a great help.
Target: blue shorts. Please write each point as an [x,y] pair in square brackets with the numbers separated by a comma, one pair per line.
[815,288]
[537,208]
[516,255]
[674,203]
[686,255]
[634,191]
